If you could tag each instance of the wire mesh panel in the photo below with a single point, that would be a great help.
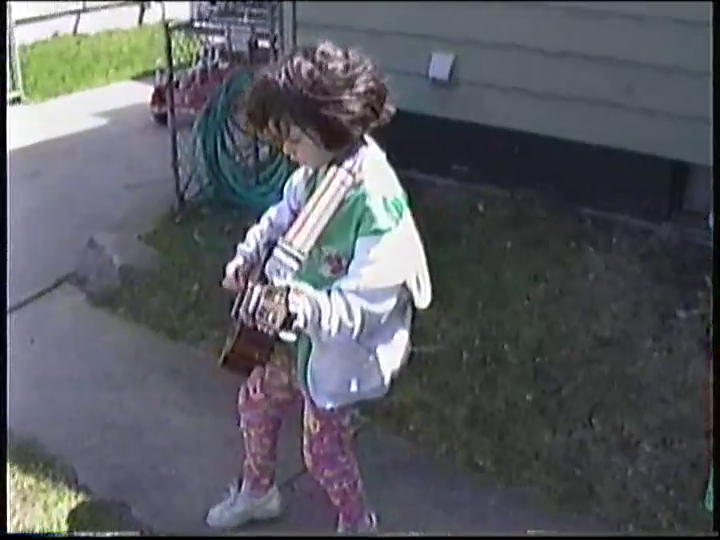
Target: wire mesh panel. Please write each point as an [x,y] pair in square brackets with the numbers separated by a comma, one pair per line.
[210,62]
[12,62]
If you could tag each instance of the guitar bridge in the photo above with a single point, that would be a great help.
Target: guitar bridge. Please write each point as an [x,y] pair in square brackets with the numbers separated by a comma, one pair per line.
[272,306]
[263,302]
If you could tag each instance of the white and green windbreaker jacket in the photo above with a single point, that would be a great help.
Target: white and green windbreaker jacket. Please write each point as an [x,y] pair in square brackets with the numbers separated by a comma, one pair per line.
[362,280]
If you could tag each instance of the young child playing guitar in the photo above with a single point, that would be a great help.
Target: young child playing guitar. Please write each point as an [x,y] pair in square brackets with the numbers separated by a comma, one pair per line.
[352,300]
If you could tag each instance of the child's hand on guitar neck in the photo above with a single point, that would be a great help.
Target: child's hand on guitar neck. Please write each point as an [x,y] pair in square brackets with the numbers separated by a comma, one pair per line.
[236,273]
[232,284]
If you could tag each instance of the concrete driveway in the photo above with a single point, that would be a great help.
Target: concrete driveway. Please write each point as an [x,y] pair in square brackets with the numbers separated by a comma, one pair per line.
[80,164]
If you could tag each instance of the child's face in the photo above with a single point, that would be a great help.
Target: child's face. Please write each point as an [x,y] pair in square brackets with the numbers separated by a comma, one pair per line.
[304,149]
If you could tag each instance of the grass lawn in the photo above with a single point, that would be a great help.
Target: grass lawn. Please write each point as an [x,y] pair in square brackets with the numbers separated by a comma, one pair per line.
[43,497]
[67,64]
[559,354]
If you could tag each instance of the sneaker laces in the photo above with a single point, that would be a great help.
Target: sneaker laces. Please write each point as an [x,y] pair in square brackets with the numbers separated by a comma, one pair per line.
[368,524]
[232,492]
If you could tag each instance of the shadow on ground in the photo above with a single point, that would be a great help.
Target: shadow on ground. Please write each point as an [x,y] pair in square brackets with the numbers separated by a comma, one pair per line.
[83,518]
[75,169]
[90,514]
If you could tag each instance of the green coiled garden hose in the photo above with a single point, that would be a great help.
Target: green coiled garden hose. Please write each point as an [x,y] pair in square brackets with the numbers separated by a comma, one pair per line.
[221,172]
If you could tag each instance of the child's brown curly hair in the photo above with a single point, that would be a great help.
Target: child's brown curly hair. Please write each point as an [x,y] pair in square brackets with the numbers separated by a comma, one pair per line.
[334,94]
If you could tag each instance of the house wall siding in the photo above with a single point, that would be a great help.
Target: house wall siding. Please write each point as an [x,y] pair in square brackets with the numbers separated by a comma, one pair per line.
[631,75]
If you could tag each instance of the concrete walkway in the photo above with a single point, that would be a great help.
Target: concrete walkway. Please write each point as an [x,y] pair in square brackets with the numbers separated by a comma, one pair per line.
[143,420]
[152,424]
[80,164]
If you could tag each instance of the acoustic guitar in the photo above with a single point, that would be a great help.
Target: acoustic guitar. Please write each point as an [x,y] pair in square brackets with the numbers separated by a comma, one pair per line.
[247,347]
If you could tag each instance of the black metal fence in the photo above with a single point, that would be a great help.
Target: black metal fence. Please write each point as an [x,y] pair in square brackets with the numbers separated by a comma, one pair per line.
[35,13]
[247,33]
[63,9]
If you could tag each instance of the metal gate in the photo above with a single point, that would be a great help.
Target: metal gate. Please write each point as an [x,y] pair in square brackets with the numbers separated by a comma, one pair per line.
[246,33]
[13,75]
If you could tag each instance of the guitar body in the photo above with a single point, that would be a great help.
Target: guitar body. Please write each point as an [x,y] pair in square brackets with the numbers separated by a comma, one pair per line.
[246,347]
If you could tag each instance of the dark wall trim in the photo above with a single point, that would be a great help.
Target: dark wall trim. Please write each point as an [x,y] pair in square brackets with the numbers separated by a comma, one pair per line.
[588,176]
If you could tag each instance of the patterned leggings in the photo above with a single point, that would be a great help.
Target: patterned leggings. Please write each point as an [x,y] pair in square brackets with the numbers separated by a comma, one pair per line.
[327,440]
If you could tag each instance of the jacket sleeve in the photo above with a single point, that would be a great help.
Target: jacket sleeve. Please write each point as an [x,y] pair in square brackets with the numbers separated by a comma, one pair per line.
[360,301]
[274,222]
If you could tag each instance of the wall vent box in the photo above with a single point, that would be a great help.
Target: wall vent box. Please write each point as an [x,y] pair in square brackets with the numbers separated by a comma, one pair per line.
[441,65]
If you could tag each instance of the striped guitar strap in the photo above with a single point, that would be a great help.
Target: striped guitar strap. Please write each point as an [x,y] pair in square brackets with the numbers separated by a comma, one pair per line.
[292,250]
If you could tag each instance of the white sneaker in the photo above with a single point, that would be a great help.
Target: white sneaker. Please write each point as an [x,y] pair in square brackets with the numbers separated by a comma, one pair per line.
[367,526]
[240,507]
